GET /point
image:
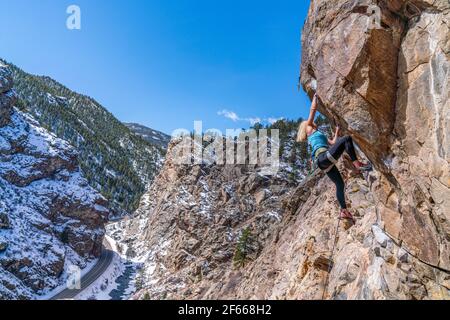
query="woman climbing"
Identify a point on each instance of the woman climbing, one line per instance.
(326, 153)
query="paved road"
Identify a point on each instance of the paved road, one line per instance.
(89, 278)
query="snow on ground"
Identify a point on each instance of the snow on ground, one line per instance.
(112, 280)
(63, 286)
(139, 256)
(33, 237)
(275, 215)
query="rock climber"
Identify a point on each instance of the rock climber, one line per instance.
(326, 153)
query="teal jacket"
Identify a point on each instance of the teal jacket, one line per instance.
(317, 140)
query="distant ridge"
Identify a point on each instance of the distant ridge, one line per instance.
(150, 135)
(115, 161)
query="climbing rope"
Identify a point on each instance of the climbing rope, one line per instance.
(327, 279)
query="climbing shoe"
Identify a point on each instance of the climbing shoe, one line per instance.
(346, 215)
(363, 167)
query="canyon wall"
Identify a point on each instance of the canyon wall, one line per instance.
(50, 219)
(209, 231)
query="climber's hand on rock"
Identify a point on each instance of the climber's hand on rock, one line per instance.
(338, 131)
(314, 103)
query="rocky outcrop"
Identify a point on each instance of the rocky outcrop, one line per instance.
(194, 221)
(50, 219)
(207, 232)
(187, 229)
(387, 84)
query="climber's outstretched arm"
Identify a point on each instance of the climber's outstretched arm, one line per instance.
(336, 136)
(312, 114)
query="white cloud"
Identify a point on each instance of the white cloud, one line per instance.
(273, 120)
(229, 114)
(252, 120)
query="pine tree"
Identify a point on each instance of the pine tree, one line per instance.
(243, 249)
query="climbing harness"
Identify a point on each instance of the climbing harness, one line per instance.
(327, 279)
(329, 157)
(315, 163)
(332, 160)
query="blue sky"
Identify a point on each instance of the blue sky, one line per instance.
(166, 63)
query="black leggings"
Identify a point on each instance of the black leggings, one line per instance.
(343, 144)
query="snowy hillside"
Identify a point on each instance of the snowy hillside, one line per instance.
(153, 136)
(115, 161)
(50, 218)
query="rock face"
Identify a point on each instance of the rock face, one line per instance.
(387, 84)
(50, 218)
(194, 222)
(209, 231)
(193, 219)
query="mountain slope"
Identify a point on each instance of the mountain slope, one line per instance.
(115, 161)
(152, 136)
(50, 219)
